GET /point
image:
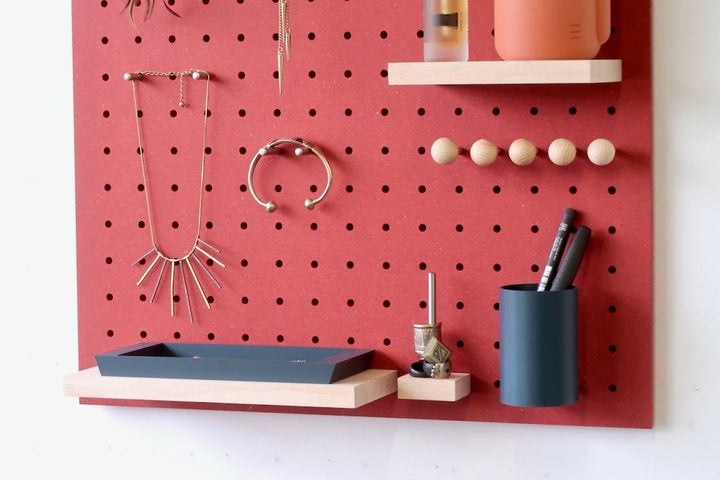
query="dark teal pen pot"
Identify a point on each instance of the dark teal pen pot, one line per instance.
(538, 346)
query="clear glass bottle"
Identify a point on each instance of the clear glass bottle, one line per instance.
(446, 30)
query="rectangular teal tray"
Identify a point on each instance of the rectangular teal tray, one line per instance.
(235, 362)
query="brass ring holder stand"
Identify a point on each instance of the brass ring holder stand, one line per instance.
(302, 148)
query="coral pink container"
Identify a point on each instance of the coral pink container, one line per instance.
(551, 29)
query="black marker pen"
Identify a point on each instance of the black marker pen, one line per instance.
(556, 252)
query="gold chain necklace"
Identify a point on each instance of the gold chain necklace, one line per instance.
(200, 246)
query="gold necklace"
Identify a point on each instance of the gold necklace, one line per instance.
(200, 246)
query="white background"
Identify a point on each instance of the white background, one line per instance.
(46, 435)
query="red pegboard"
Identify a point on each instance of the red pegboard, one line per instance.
(353, 271)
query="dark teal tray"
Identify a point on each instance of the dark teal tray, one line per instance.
(235, 362)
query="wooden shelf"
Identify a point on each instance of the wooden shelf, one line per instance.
(505, 72)
(449, 389)
(352, 392)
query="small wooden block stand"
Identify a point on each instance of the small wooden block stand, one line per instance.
(449, 389)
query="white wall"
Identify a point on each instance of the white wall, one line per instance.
(45, 433)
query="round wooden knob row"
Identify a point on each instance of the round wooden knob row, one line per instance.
(522, 152)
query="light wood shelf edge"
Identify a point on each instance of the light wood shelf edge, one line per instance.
(352, 392)
(505, 72)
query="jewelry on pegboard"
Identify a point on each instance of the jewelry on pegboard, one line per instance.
(199, 246)
(302, 148)
(283, 52)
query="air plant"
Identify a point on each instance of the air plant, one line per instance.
(132, 5)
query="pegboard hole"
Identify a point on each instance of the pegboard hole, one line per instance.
(241, 37)
(110, 333)
(422, 265)
(350, 302)
(496, 111)
(314, 302)
(347, 35)
(496, 306)
(313, 226)
(348, 112)
(612, 269)
(314, 264)
(315, 339)
(459, 267)
(312, 112)
(347, 73)
(109, 297)
(611, 110)
(280, 338)
(612, 230)
(279, 301)
(422, 227)
(572, 110)
(386, 303)
(460, 343)
(143, 334)
(534, 229)
(245, 300)
(245, 337)
(459, 189)
(612, 190)
(496, 189)
(171, 38)
(612, 349)
(612, 387)
(573, 190)
(422, 304)
(421, 111)
(312, 74)
(383, 34)
(534, 111)
(350, 264)
(612, 309)
(348, 150)
(244, 262)
(496, 383)
(459, 228)
(383, 73)
(211, 336)
(351, 341)
(279, 263)
(534, 189)
(349, 227)
(387, 342)
(420, 34)
(108, 260)
(278, 226)
(142, 297)
(422, 189)
(497, 267)
(386, 265)
(176, 298)
(108, 224)
(385, 150)
(385, 189)
(386, 227)
(311, 36)
(460, 305)
(458, 111)
(176, 335)
(534, 268)
(496, 345)
(138, 39)
(497, 228)
(141, 224)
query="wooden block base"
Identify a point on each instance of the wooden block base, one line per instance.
(450, 389)
(351, 392)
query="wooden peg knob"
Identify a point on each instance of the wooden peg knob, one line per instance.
(522, 152)
(483, 152)
(601, 151)
(444, 151)
(562, 152)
